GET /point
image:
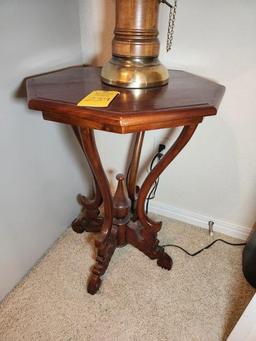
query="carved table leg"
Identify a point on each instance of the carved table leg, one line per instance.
(89, 219)
(143, 233)
(118, 227)
(106, 243)
(117, 236)
(175, 149)
(146, 241)
(102, 261)
(132, 188)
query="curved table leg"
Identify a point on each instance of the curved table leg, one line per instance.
(133, 171)
(175, 149)
(121, 212)
(102, 261)
(102, 185)
(143, 233)
(107, 242)
(117, 228)
(146, 241)
(88, 220)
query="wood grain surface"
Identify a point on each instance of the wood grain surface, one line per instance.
(185, 100)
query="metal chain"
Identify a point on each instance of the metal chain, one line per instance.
(170, 34)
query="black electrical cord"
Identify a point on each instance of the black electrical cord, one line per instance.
(151, 196)
(152, 193)
(206, 247)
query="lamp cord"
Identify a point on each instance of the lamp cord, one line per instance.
(152, 195)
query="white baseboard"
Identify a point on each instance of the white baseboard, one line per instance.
(237, 231)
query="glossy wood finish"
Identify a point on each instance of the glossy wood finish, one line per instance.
(136, 28)
(89, 219)
(90, 148)
(132, 187)
(176, 148)
(185, 102)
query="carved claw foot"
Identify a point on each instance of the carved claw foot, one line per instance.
(87, 221)
(102, 261)
(93, 284)
(146, 241)
(79, 224)
(164, 260)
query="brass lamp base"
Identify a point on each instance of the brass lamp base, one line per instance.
(134, 72)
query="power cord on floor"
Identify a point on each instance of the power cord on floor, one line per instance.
(151, 196)
(157, 157)
(206, 247)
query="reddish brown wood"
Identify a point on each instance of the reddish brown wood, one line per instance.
(133, 189)
(146, 241)
(180, 143)
(89, 219)
(90, 148)
(184, 102)
(104, 255)
(122, 207)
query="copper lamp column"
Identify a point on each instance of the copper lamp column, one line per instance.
(135, 47)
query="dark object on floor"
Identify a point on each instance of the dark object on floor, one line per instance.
(249, 260)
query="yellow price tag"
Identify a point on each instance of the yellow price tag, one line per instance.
(98, 98)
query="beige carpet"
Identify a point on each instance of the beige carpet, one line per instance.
(200, 299)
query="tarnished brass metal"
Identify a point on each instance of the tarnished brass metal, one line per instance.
(135, 47)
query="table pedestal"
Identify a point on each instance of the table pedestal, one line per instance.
(124, 219)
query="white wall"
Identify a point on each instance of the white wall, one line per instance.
(41, 165)
(215, 175)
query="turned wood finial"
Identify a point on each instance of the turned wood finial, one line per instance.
(120, 200)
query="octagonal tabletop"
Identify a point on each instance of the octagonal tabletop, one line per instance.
(185, 100)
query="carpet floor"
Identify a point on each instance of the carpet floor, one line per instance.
(200, 299)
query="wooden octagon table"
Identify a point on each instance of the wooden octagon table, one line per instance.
(185, 101)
